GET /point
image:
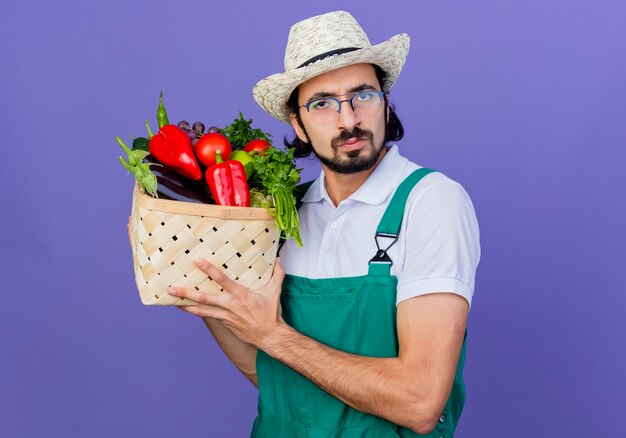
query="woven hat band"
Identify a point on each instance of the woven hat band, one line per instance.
(327, 55)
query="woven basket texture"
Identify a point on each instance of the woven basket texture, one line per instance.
(166, 236)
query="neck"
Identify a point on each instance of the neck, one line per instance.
(341, 185)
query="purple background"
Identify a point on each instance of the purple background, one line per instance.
(523, 103)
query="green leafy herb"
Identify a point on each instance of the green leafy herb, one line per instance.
(275, 174)
(240, 132)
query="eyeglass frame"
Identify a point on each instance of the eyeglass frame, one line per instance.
(380, 94)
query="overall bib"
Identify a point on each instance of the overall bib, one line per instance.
(353, 314)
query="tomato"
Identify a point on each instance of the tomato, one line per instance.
(257, 145)
(208, 144)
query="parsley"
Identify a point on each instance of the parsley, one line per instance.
(275, 174)
(240, 132)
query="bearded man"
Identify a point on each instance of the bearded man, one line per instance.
(361, 331)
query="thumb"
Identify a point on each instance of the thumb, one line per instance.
(279, 273)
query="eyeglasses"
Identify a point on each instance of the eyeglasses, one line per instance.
(326, 110)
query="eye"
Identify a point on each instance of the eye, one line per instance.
(364, 96)
(320, 104)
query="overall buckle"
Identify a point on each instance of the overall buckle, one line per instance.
(381, 254)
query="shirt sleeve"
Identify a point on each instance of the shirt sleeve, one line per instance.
(442, 242)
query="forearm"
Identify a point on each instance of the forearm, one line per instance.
(241, 354)
(385, 387)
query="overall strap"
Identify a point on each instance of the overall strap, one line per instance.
(389, 226)
(298, 193)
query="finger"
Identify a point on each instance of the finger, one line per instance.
(130, 237)
(278, 274)
(204, 311)
(219, 277)
(197, 296)
(274, 285)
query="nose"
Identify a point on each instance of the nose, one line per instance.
(347, 117)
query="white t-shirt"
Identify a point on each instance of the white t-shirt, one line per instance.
(438, 248)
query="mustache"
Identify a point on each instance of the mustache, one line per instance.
(356, 132)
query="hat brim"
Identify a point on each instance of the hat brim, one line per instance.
(272, 93)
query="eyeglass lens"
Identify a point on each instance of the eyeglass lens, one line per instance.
(365, 104)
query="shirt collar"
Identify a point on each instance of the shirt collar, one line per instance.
(376, 188)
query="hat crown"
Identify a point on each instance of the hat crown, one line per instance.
(321, 34)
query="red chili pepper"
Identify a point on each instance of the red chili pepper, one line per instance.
(228, 183)
(172, 147)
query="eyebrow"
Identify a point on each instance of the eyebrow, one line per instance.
(322, 94)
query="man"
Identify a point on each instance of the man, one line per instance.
(361, 332)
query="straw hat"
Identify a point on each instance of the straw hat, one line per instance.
(323, 43)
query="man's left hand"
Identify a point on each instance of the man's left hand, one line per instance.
(250, 314)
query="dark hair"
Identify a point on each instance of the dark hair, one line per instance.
(394, 131)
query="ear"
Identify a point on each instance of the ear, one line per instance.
(298, 129)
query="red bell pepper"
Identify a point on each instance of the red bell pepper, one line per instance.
(228, 183)
(172, 147)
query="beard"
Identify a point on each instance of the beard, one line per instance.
(356, 160)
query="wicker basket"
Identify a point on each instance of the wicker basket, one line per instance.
(166, 236)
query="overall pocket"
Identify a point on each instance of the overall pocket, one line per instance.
(329, 318)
